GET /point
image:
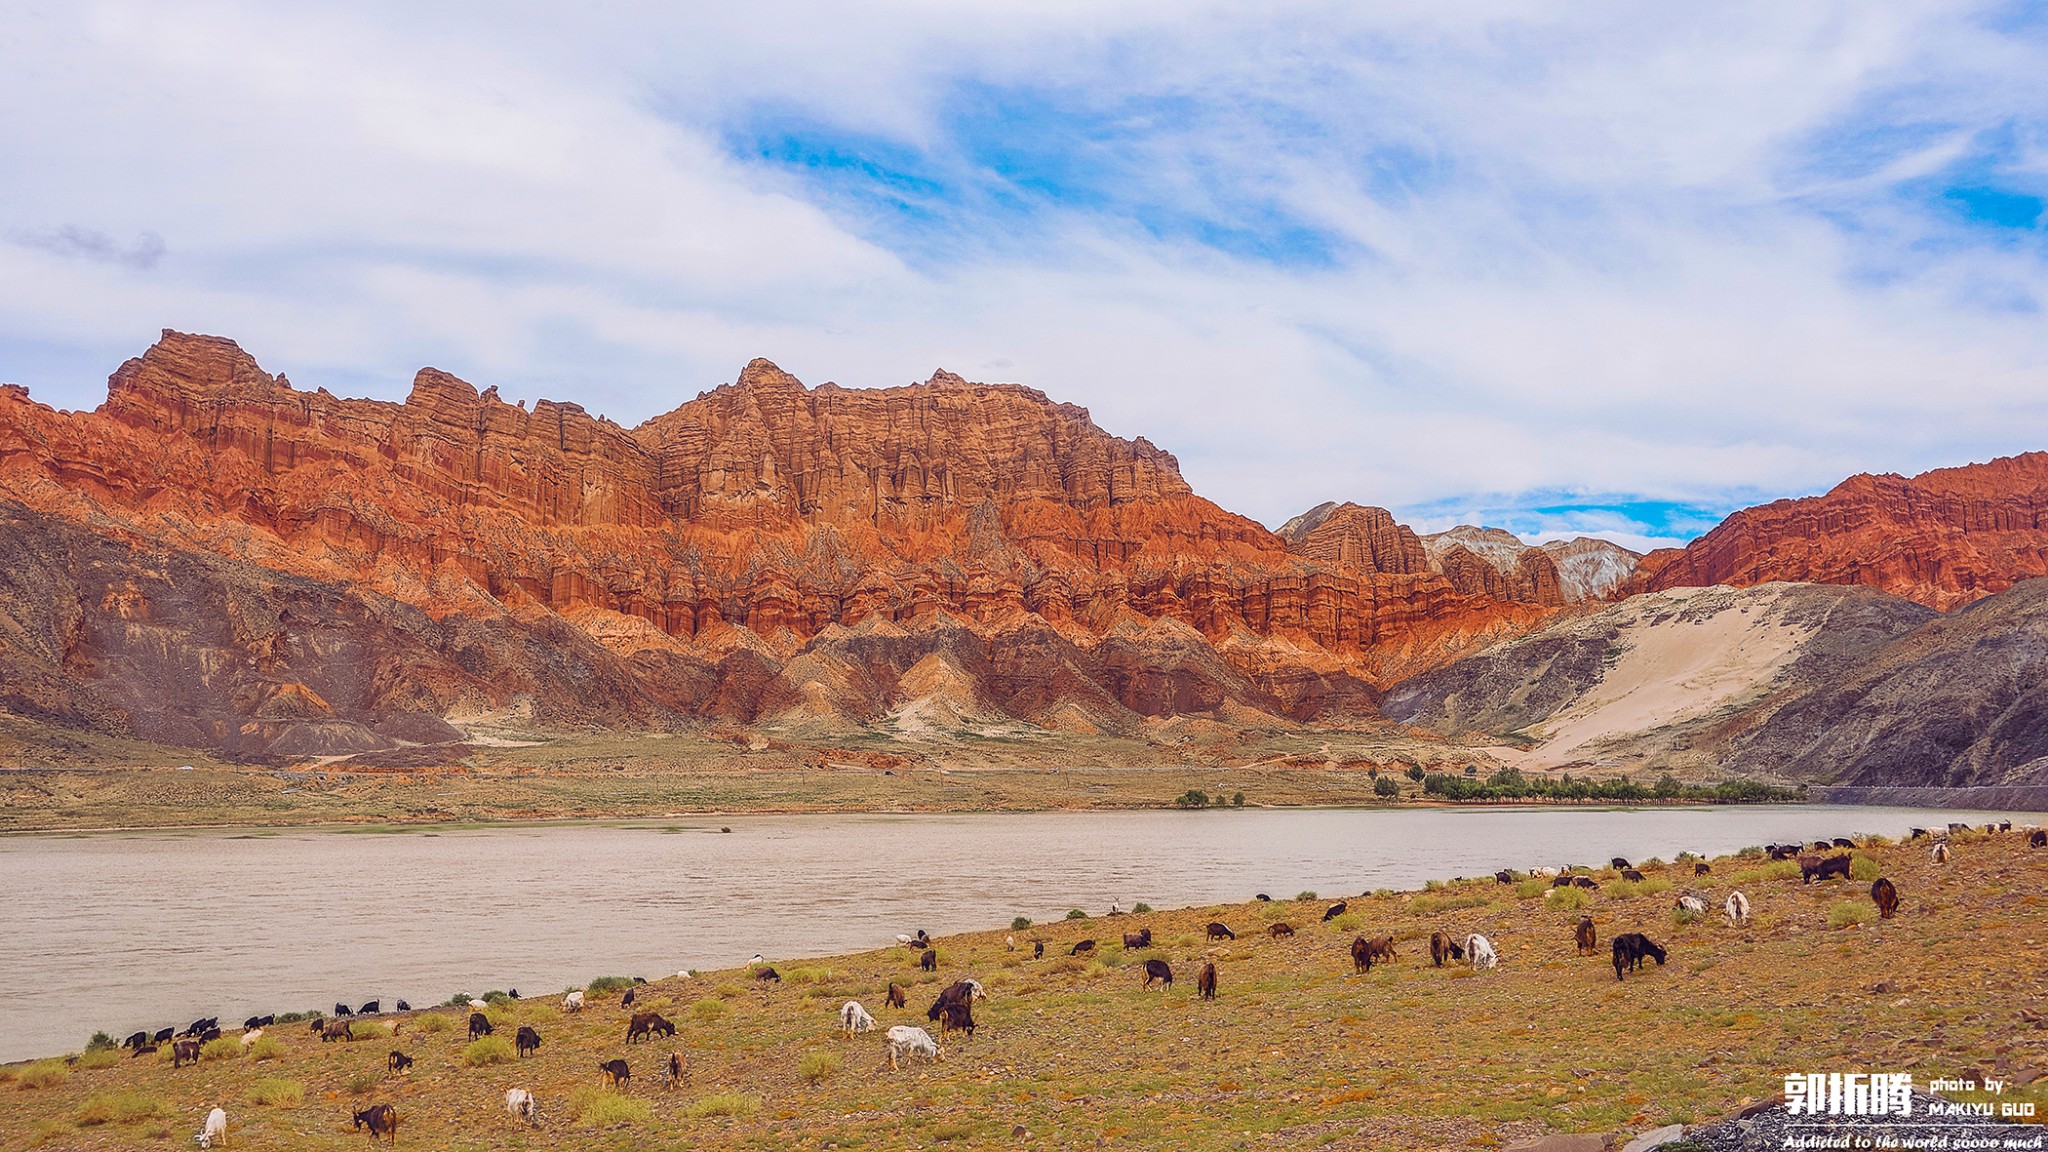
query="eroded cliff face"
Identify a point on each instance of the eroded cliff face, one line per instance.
(764, 552)
(1942, 538)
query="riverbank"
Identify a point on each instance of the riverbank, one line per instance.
(1296, 1051)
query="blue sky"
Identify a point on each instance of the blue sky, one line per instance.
(1599, 267)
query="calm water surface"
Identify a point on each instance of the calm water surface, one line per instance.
(120, 931)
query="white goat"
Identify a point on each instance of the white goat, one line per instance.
(251, 1036)
(573, 1002)
(520, 1103)
(1692, 904)
(1479, 950)
(1738, 909)
(216, 1129)
(477, 1005)
(906, 1042)
(1941, 853)
(853, 1018)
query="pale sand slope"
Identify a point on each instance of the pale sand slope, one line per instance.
(1685, 654)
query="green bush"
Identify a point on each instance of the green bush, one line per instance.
(608, 984)
(1568, 899)
(100, 1058)
(99, 1041)
(707, 1011)
(606, 1108)
(1193, 798)
(1532, 887)
(1304, 897)
(1864, 868)
(363, 1082)
(1850, 912)
(487, 1050)
(277, 1093)
(221, 1048)
(723, 1104)
(428, 1022)
(42, 1074)
(120, 1108)
(1237, 800)
(817, 1067)
(1076, 914)
(1386, 789)
(1140, 908)
(266, 1048)
(1020, 923)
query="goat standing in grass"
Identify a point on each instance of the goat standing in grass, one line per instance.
(853, 1018)
(906, 1042)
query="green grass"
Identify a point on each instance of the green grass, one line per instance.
(120, 1108)
(222, 1048)
(1775, 870)
(366, 1082)
(488, 1050)
(708, 1011)
(817, 1067)
(723, 1104)
(1864, 868)
(432, 1022)
(1849, 912)
(605, 1108)
(42, 1074)
(1567, 899)
(276, 1092)
(266, 1048)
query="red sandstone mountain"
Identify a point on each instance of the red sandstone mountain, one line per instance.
(1942, 538)
(214, 557)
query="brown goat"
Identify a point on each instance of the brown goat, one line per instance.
(1885, 895)
(1588, 940)
(1206, 982)
(381, 1120)
(1281, 931)
(896, 998)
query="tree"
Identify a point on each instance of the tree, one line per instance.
(1237, 801)
(1415, 773)
(1386, 788)
(1668, 786)
(1193, 798)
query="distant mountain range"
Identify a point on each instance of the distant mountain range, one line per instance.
(214, 558)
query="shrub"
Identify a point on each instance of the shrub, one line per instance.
(1850, 912)
(723, 1104)
(1193, 798)
(809, 974)
(495, 996)
(1654, 886)
(277, 1093)
(1140, 908)
(42, 1074)
(266, 1048)
(100, 1041)
(1348, 922)
(366, 1082)
(606, 1108)
(1305, 896)
(487, 1050)
(1020, 923)
(1864, 868)
(1433, 885)
(1386, 789)
(1237, 800)
(426, 1022)
(817, 1067)
(1775, 870)
(1532, 887)
(121, 1108)
(100, 1058)
(1683, 916)
(609, 984)
(707, 1011)
(221, 1048)
(1415, 773)
(1076, 914)
(1753, 852)
(1567, 899)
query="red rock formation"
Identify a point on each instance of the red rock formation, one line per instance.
(1942, 538)
(749, 521)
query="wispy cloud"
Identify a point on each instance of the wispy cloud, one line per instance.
(93, 244)
(1552, 267)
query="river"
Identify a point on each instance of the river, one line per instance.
(120, 931)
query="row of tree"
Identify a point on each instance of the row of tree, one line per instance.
(1511, 784)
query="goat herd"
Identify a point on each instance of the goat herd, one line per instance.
(953, 1010)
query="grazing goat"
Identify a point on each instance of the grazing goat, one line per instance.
(1009, 943)
(397, 1061)
(476, 1005)
(1083, 946)
(1918, 834)
(2038, 838)
(964, 992)
(1701, 869)
(404, 1007)
(135, 1041)
(573, 1002)
(895, 998)
(1205, 984)
(252, 1022)
(1584, 882)
(251, 1036)
(1587, 939)
(1335, 910)
(1691, 904)
(1564, 881)
(342, 1010)
(479, 1025)
(1821, 845)
(1361, 955)
(648, 1024)
(927, 960)
(1479, 950)
(521, 1104)
(1262, 897)
(771, 976)
(216, 1129)
(1955, 827)
(905, 1042)
(1844, 842)
(1503, 877)
(1442, 948)
(626, 1001)
(615, 1072)
(1543, 871)
(1885, 895)
(337, 1030)
(373, 1008)
(1629, 950)
(1218, 930)
(381, 1120)
(1631, 875)
(1038, 949)
(1941, 853)
(527, 1041)
(198, 1026)
(1281, 931)
(1619, 864)
(162, 1035)
(1139, 939)
(672, 1076)
(1812, 868)
(1737, 908)
(1158, 970)
(957, 1016)
(853, 1018)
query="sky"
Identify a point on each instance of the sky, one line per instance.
(1603, 268)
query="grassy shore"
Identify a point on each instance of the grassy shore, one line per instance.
(1297, 1052)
